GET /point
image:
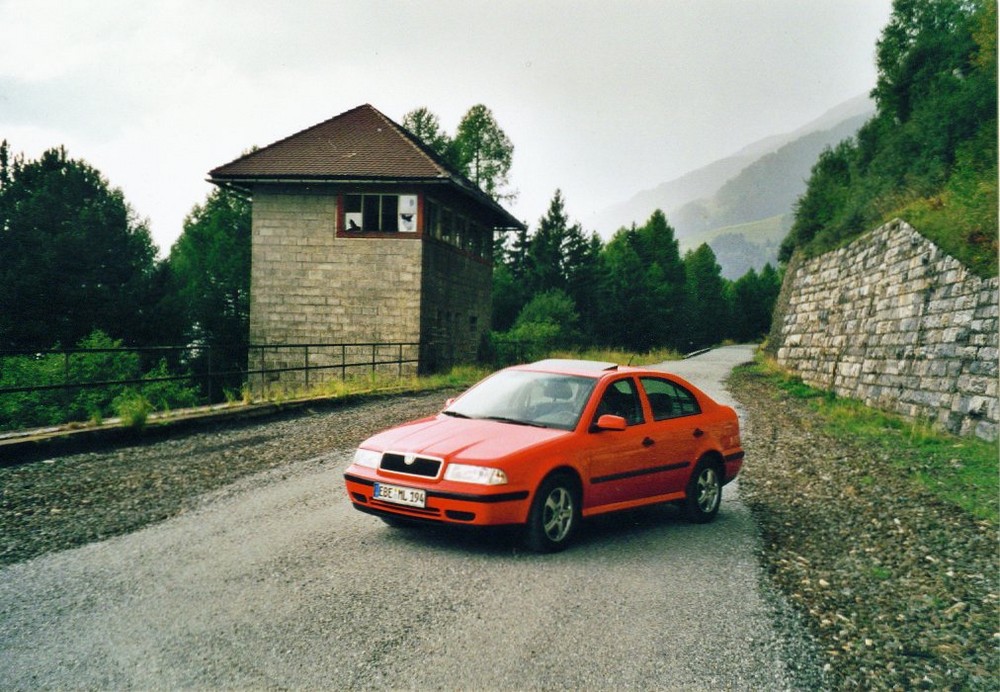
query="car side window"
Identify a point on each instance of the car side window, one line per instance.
(669, 400)
(621, 399)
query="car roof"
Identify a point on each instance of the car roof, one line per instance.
(590, 368)
(598, 369)
(568, 366)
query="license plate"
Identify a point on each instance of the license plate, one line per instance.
(411, 497)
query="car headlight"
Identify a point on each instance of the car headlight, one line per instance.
(467, 473)
(367, 458)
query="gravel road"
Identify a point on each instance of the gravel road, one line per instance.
(276, 582)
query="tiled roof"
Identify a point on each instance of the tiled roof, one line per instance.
(362, 144)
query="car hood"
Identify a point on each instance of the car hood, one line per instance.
(462, 439)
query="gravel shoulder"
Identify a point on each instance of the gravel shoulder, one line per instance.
(899, 589)
(71, 500)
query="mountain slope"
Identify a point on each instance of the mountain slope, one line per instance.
(705, 182)
(767, 187)
(742, 205)
(743, 247)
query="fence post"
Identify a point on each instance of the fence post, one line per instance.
(307, 367)
(400, 364)
(343, 362)
(209, 375)
(263, 382)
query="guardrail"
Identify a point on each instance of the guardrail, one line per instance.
(42, 387)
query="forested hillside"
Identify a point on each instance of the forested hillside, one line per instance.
(742, 205)
(765, 188)
(560, 287)
(929, 155)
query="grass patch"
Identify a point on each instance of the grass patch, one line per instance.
(962, 471)
(459, 377)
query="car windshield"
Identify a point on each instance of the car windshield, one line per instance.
(526, 398)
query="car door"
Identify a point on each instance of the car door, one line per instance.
(673, 430)
(619, 460)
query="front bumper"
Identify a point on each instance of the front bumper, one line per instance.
(444, 504)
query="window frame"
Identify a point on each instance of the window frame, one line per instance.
(639, 411)
(387, 212)
(683, 402)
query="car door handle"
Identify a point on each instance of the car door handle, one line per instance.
(698, 432)
(648, 442)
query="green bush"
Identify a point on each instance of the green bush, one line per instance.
(164, 396)
(104, 361)
(133, 409)
(89, 403)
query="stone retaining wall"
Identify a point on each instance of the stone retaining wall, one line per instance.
(895, 322)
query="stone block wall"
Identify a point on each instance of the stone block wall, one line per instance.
(457, 304)
(308, 286)
(895, 322)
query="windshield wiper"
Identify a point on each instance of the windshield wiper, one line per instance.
(455, 414)
(515, 421)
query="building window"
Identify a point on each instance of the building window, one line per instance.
(456, 229)
(432, 216)
(447, 226)
(372, 213)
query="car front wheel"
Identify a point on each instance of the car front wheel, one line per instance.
(704, 493)
(554, 514)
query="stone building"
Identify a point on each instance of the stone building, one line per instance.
(362, 235)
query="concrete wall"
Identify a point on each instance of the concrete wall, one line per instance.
(895, 322)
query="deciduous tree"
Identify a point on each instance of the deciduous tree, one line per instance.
(485, 153)
(427, 127)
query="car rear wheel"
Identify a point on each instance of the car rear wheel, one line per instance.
(554, 514)
(704, 493)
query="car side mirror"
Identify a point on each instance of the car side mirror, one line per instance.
(610, 422)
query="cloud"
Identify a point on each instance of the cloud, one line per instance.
(601, 99)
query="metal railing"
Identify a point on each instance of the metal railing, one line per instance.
(321, 357)
(195, 363)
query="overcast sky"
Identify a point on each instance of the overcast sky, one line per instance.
(601, 99)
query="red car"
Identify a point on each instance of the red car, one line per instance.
(545, 444)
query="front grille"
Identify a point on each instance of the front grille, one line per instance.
(459, 516)
(424, 467)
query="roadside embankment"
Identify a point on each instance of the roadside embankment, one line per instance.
(898, 587)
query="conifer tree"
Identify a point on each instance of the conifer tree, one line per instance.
(74, 256)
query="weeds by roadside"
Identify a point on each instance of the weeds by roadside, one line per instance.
(959, 470)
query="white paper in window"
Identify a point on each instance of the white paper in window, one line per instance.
(353, 221)
(407, 213)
